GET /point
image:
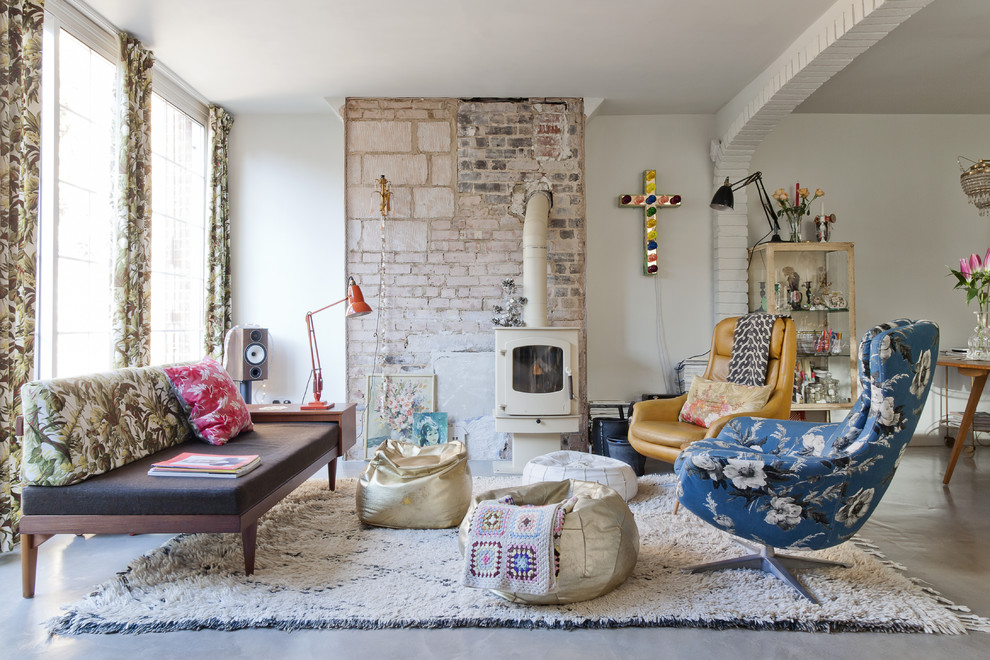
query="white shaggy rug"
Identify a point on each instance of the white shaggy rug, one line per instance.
(318, 567)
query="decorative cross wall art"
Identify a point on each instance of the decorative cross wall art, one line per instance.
(651, 203)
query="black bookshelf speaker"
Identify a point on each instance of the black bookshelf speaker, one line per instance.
(246, 353)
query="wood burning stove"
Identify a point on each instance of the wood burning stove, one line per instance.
(536, 372)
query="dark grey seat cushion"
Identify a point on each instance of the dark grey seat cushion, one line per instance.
(285, 450)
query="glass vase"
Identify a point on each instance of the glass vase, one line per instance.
(795, 224)
(978, 347)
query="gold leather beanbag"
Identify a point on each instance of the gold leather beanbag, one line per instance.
(407, 486)
(598, 547)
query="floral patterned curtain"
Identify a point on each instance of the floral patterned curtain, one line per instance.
(20, 141)
(218, 240)
(132, 267)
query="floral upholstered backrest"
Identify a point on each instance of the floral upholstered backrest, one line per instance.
(902, 361)
(76, 428)
(852, 427)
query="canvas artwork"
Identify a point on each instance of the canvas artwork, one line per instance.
(430, 428)
(392, 402)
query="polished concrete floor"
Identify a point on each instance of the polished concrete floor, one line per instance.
(941, 534)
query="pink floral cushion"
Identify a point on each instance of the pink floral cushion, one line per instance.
(215, 407)
(710, 400)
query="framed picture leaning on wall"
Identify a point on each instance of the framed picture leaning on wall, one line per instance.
(392, 401)
(430, 428)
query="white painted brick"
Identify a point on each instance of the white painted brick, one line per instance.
(433, 136)
(732, 286)
(433, 202)
(353, 165)
(392, 136)
(358, 202)
(399, 169)
(731, 242)
(730, 275)
(729, 263)
(724, 231)
(406, 235)
(441, 171)
(353, 234)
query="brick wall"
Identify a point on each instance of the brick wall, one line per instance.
(460, 171)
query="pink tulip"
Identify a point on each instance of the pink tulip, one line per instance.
(974, 263)
(964, 269)
(986, 260)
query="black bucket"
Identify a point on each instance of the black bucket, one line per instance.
(619, 448)
(606, 427)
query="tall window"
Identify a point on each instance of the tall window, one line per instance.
(178, 233)
(77, 222)
(76, 240)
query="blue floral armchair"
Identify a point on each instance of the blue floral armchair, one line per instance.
(801, 485)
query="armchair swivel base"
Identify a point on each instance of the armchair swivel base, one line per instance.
(765, 558)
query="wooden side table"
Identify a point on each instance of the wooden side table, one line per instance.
(341, 413)
(977, 370)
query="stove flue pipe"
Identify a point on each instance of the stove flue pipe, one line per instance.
(535, 258)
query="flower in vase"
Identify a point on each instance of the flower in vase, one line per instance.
(973, 277)
(801, 204)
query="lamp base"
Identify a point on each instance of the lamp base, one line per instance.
(316, 405)
(776, 238)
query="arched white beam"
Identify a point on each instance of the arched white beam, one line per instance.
(842, 33)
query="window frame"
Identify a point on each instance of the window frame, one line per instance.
(58, 16)
(83, 23)
(168, 83)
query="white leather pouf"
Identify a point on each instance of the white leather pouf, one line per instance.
(561, 465)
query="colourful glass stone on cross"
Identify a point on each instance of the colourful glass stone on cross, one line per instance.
(651, 203)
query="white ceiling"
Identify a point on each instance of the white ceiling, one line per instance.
(937, 62)
(642, 56)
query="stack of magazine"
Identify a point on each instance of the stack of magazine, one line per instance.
(205, 465)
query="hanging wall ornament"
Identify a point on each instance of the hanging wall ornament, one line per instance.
(651, 203)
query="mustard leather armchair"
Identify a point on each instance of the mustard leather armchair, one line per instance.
(653, 428)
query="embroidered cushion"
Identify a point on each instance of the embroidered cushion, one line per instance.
(215, 407)
(709, 400)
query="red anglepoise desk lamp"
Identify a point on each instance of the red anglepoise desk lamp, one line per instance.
(355, 307)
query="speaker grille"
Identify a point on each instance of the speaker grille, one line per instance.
(247, 354)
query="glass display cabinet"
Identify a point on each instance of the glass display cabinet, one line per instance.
(814, 284)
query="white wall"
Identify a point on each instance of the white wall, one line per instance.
(893, 183)
(623, 358)
(287, 244)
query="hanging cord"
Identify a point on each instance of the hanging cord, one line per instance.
(662, 338)
(302, 399)
(380, 346)
(762, 240)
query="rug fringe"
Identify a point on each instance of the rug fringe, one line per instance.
(72, 624)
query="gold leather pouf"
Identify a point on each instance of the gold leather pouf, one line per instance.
(598, 547)
(406, 486)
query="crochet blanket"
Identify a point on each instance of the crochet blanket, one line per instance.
(514, 548)
(751, 349)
